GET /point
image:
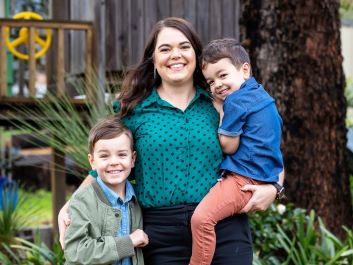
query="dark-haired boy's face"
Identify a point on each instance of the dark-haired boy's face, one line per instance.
(113, 160)
(224, 78)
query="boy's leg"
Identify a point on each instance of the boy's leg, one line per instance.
(223, 200)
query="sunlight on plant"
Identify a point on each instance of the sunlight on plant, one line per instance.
(28, 253)
(43, 200)
(346, 9)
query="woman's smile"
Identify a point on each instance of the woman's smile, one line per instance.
(174, 57)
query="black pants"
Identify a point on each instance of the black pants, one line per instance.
(169, 233)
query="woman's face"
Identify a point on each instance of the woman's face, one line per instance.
(174, 57)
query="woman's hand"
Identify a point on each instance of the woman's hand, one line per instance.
(64, 218)
(262, 197)
(63, 222)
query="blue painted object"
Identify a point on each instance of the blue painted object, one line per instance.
(8, 193)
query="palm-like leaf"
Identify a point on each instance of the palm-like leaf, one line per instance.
(64, 127)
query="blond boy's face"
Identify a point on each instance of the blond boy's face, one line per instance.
(113, 160)
(224, 78)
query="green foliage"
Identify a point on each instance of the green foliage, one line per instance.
(264, 230)
(349, 97)
(62, 126)
(293, 237)
(351, 186)
(306, 245)
(43, 200)
(27, 253)
(346, 9)
(15, 250)
(10, 218)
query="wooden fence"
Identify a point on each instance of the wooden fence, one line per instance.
(123, 25)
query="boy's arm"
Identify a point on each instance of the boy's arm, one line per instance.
(82, 248)
(229, 144)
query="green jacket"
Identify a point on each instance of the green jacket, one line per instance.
(91, 236)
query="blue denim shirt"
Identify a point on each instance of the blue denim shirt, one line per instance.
(117, 202)
(251, 113)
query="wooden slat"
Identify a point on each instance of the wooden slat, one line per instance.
(163, 9)
(202, 20)
(79, 10)
(88, 57)
(56, 24)
(60, 72)
(126, 31)
(3, 73)
(58, 185)
(99, 50)
(137, 30)
(32, 63)
(228, 13)
(177, 8)
(150, 14)
(215, 20)
(190, 11)
(236, 19)
(35, 151)
(113, 33)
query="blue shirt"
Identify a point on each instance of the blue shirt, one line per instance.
(118, 203)
(178, 153)
(251, 113)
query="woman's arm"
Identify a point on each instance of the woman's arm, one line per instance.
(64, 218)
(263, 196)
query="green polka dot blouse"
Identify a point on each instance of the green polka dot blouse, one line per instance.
(178, 153)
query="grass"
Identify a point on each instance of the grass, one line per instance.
(42, 199)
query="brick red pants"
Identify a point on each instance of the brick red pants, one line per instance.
(224, 199)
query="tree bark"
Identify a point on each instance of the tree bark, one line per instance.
(295, 51)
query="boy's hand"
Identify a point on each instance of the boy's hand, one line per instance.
(139, 238)
(218, 105)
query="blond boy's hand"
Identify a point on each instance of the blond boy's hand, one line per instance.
(139, 238)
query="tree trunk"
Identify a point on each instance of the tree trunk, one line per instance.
(295, 50)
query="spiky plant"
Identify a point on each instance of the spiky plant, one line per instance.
(60, 123)
(11, 221)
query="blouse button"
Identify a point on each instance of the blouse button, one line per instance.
(116, 215)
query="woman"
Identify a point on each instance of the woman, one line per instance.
(165, 102)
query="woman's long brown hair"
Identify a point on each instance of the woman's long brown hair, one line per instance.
(139, 81)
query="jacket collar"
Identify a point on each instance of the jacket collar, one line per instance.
(101, 195)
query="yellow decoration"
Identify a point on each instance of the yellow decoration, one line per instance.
(24, 37)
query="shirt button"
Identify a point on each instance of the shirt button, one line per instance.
(116, 215)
